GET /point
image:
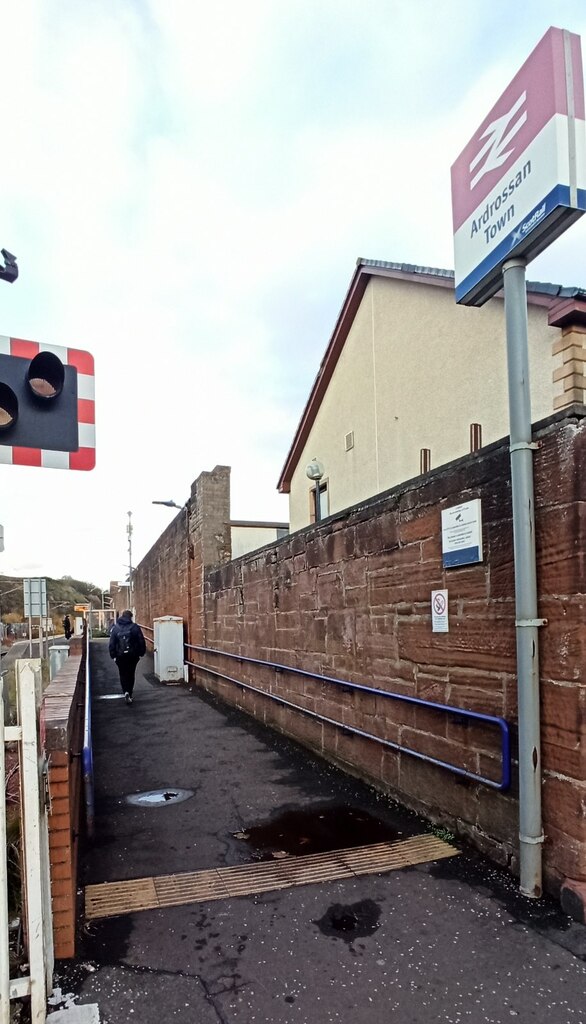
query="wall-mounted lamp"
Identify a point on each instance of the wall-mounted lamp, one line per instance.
(315, 471)
(185, 507)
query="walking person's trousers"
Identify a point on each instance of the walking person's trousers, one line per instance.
(127, 668)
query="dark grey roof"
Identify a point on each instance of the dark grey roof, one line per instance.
(533, 286)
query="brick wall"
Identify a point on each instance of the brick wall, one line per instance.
(62, 715)
(350, 598)
(569, 351)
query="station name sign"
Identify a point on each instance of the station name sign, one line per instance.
(521, 179)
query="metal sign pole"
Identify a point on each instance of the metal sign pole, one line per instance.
(527, 623)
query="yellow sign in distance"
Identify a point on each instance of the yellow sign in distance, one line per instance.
(81, 607)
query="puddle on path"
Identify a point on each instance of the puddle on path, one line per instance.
(355, 921)
(159, 797)
(317, 830)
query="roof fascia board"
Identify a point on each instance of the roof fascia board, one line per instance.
(344, 322)
(568, 312)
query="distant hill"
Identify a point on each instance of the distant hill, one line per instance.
(62, 594)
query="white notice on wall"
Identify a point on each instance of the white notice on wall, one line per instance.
(462, 534)
(439, 611)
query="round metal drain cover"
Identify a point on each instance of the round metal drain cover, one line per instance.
(111, 696)
(157, 797)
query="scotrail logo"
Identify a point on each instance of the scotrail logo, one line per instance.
(528, 225)
(498, 136)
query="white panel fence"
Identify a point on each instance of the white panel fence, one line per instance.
(36, 883)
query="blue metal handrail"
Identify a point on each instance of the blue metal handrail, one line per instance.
(87, 751)
(477, 716)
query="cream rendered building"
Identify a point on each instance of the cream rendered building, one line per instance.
(410, 381)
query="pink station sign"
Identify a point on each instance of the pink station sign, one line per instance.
(521, 180)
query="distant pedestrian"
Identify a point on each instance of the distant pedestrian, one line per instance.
(67, 627)
(127, 646)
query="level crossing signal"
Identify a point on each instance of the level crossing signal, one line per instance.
(47, 406)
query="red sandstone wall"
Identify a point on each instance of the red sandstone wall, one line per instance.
(351, 598)
(170, 578)
(161, 580)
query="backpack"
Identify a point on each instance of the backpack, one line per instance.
(124, 644)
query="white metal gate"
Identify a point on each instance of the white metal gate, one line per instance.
(35, 846)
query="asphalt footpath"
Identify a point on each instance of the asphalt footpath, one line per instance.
(450, 940)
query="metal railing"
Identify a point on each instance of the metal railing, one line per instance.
(461, 713)
(87, 754)
(149, 639)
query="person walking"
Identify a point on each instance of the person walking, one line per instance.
(127, 645)
(67, 627)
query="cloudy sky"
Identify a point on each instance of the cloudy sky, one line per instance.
(187, 187)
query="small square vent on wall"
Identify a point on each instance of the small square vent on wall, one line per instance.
(349, 440)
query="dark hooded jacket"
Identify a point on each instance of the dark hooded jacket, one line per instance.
(137, 641)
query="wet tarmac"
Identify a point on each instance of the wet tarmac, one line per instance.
(447, 942)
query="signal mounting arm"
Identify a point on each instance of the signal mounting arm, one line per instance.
(9, 272)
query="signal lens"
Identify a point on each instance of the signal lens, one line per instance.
(46, 375)
(8, 407)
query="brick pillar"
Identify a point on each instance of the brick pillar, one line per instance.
(210, 541)
(569, 352)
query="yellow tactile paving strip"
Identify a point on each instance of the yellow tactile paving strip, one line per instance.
(113, 898)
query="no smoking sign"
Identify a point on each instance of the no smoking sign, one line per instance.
(439, 611)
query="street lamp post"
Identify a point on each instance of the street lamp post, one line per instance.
(130, 580)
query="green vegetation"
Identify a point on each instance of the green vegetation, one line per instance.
(442, 833)
(62, 595)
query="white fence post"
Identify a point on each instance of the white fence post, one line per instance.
(4, 953)
(35, 853)
(32, 822)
